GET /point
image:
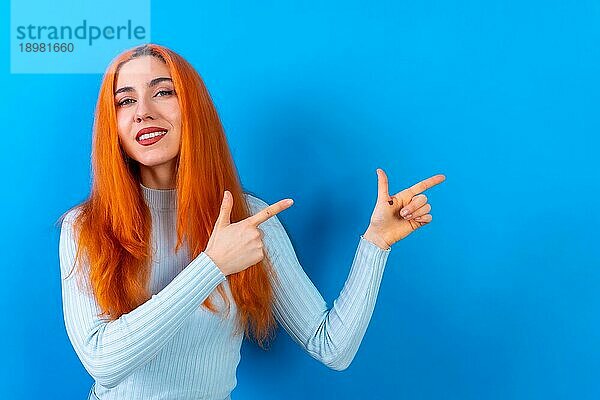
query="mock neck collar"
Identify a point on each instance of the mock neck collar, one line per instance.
(160, 199)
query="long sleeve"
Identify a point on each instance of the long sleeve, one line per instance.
(111, 350)
(331, 336)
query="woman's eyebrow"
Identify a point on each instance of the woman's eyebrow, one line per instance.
(153, 82)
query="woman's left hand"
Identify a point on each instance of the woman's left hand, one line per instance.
(397, 216)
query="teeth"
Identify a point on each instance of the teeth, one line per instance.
(151, 135)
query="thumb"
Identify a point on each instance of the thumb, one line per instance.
(225, 212)
(382, 186)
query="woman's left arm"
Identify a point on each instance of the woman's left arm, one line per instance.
(333, 335)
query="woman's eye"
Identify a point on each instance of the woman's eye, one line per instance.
(123, 102)
(168, 92)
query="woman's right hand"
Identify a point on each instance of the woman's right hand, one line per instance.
(235, 247)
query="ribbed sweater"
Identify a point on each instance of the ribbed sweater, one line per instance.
(171, 347)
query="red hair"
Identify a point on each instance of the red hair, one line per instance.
(114, 225)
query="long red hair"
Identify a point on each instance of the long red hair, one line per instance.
(114, 225)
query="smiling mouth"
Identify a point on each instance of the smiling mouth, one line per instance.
(150, 138)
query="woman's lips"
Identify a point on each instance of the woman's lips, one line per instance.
(148, 142)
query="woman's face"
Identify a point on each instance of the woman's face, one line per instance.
(146, 101)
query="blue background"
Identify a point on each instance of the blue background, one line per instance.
(497, 298)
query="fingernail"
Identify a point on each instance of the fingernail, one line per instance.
(409, 216)
(404, 212)
(289, 201)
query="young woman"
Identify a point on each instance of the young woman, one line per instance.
(167, 222)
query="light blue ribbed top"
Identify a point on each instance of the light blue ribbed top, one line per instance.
(171, 347)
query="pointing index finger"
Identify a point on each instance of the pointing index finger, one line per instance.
(426, 184)
(269, 211)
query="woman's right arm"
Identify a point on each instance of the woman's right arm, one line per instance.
(111, 350)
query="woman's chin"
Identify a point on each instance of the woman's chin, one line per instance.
(155, 162)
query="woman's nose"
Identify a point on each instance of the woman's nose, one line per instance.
(143, 112)
(141, 117)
